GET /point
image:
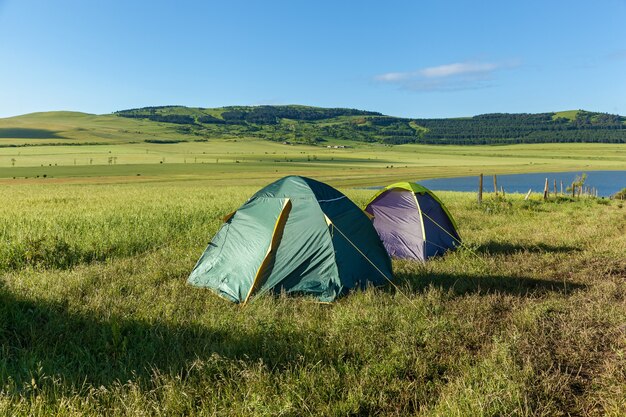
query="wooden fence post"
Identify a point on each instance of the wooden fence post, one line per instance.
(480, 188)
(573, 190)
(546, 190)
(495, 185)
(528, 194)
(555, 187)
(561, 187)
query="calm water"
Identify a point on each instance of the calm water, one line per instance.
(607, 182)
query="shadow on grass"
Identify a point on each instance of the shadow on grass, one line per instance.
(24, 133)
(505, 248)
(460, 284)
(50, 348)
(46, 345)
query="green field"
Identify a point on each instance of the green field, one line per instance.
(260, 161)
(96, 317)
(79, 147)
(99, 230)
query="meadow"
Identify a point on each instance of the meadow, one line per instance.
(100, 227)
(86, 148)
(96, 316)
(259, 162)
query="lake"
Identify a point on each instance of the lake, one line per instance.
(607, 182)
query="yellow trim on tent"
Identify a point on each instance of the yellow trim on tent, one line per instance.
(409, 186)
(229, 216)
(421, 219)
(278, 228)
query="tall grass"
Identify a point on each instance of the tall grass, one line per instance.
(78, 224)
(96, 317)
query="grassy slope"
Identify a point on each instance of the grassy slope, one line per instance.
(568, 114)
(96, 318)
(63, 127)
(74, 127)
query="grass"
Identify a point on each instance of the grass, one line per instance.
(568, 114)
(96, 317)
(79, 147)
(98, 236)
(259, 161)
(65, 127)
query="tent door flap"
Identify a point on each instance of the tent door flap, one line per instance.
(265, 267)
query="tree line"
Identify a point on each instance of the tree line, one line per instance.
(301, 123)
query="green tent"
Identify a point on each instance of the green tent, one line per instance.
(297, 236)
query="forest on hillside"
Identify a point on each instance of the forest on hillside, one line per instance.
(303, 124)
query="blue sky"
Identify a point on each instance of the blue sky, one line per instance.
(403, 58)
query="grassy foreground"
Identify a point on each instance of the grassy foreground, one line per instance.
(96, 317)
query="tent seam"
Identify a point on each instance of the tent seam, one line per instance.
(419, 209)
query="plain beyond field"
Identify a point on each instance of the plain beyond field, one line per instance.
(258, 162)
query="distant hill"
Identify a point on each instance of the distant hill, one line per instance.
(314, 125)
(304, 124)
(301, 124)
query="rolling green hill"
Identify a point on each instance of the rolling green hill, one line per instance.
(305, 125)
(299, 124)
(315, 125)
(72, 128)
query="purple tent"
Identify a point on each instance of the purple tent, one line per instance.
(412, 222)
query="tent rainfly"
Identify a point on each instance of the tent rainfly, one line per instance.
(412, 222)
(297, 236)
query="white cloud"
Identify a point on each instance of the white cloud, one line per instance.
(449, 77)
(394, 76)
(458, 68)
